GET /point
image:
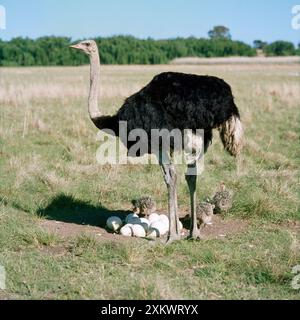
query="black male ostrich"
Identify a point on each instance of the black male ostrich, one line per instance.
(172, 100)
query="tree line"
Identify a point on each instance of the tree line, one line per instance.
(55, 51)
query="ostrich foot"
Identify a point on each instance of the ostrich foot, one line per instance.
(173, 238)
(195, 235)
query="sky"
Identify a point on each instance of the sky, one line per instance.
(267, 20)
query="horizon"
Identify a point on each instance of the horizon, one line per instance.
(136, 37)
(268, 21)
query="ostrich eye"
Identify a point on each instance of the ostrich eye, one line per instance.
(88, 44)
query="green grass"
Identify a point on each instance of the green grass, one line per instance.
(48, 170)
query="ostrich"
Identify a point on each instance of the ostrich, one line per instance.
(144, 206)
(172, 100)
(205, 212)
(222, 199)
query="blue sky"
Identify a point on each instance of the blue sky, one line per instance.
(267, 20)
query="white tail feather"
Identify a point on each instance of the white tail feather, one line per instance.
(232, 133)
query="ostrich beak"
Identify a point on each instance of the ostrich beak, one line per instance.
(75, 46)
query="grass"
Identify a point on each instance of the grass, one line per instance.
(48, 170)
(238, 60)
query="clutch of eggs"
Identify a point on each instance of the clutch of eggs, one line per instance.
(154, 227)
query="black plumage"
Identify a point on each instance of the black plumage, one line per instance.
(176, 100)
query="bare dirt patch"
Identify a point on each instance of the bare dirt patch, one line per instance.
(220, 229)
(70, 230)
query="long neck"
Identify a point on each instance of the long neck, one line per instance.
(101, 122)
(94, 87)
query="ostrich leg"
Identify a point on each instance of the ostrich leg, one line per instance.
(171, 179)
(191, 179)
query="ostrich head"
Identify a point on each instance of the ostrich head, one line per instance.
(88, 46)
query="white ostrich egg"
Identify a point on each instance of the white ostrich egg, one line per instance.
(160, 226)
(130, 217)
(154, 217)
(153, 233)
(138, 231)
(126, 231)
(114, 223)
(180, 226)
(164, 219)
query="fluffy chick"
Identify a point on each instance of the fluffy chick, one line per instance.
(144, 206)
(205, 212)
(222, 200)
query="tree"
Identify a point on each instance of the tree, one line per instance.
(280, 48)
(219, 32)
(259, 45)
(55, 51)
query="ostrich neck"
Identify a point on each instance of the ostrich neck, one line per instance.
(94, 86)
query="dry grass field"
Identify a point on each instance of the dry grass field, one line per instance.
(54, 196)
(238, 60)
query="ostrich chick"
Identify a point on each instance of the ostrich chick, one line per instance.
(222, 200)
(144, 206)
(205, 212)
